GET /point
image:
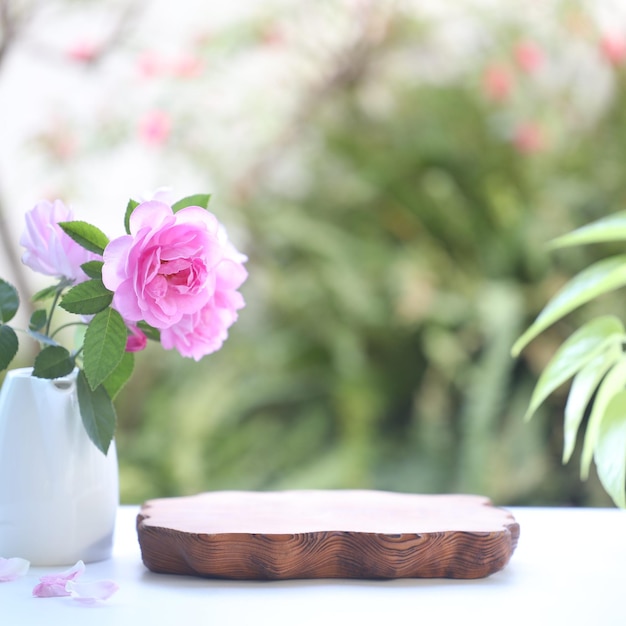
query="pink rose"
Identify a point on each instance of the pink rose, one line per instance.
(167, 268)
(204, 332)
(48, 249)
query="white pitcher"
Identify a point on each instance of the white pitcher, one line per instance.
(58, 493)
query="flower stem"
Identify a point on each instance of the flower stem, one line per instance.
(55, 301)
(60, 328)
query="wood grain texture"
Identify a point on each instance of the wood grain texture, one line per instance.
(326, 534)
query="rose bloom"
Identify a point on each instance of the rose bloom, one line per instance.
(205, 331)
(170, 268)
(48, 249)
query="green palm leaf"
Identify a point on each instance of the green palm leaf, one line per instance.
(611, 444)
(583, 387)
(597, 279)
(612, 384)
(612, 228)
(576, 352)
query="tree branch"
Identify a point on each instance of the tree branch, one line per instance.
(348, 65)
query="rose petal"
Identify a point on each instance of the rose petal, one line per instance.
(13, 568)
(92, 592)
(53, 585)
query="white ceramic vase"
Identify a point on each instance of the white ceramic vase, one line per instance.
(58, 493)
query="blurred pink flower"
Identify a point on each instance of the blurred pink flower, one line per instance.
(613, 47)
(150, 64)
(48, 249)
(529, 138)
(188, 66)
(83, 51)
(273, 35)
(529, 56)
(155, 127)
(497, 83)
(65, 146)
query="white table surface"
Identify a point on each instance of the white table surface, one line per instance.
(569, 568)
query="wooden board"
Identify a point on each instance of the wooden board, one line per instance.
(326, 534)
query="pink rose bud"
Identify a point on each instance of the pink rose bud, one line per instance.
(137, 340)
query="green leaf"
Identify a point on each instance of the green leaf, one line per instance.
(104, 347)
(38, 320)
(97, 412)
(87, 298)
(86, 235)
(583, 387)
(53, 362)
(610, 452)
(93, 269)
(610, 386)
(8, 346)
(46, 293)
(120, 375)
(130, 207)
(611, 228)
(199, 199)
(149, 331)
(594, 281)
(9, 301)
(583, 346)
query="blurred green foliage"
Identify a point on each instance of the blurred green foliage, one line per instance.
(395, 177)
(387, 287)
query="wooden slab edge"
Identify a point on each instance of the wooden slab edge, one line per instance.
(328, 553)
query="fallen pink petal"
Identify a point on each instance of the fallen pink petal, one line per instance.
(91, 592)
(13, 568)
(53, 585)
